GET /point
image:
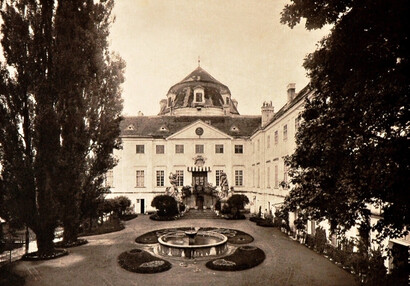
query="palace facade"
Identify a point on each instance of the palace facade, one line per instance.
(198, 135)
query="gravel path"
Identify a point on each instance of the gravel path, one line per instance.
(287, 262)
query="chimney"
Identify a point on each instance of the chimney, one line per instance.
(162, 104)
(291, 91)
(267, 113)
(235, 102)
(140, 113)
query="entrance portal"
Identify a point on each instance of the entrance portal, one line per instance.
(199, 179)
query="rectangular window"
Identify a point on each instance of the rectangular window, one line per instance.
(238, 178)
(140, 149)
(298, 121)
(276, 137)
(253, 177)
(160, 178)
(276, 177)
(259, 178)
(160, 149)
(219, 148)
(109, 179)
(199, 149)
(238, 149)
(285, 173)
(268, 177)
(179, 149)
(180, 177)
(268, 142)
(285, 132)
(218, 176)
(139, 178)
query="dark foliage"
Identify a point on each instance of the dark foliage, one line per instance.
(166, 206)
(236, 203)
(352, 148)
(60, 111)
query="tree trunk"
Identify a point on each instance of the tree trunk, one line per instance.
(70, 231)
(45, 244)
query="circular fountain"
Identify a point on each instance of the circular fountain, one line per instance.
(192, 244)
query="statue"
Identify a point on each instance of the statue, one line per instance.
(173, 190)
(223, 182)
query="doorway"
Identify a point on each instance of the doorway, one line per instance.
(140, 206)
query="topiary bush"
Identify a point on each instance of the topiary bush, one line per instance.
(166, 206)
(236, 203)
(320, 239)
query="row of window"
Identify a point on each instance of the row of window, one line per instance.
(298, 121)
(268, 178)
(179, 149)
(160, 178)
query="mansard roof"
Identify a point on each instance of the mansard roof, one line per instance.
(164, 126)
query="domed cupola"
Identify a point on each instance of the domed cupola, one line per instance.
(198, 94)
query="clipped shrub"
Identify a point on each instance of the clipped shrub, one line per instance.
(320, 239)
(236, 203)
(310, 241)
(166, 206)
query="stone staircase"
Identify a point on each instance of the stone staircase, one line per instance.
(200, 214)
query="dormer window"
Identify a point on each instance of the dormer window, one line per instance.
(198, 97)
(227, 100)
(199, 94)
(131, 127)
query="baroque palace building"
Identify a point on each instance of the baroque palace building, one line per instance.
(199, 134)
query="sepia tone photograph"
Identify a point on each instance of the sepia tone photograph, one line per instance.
(177, 142)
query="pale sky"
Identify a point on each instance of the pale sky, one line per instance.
(240, 43)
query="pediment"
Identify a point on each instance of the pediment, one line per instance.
(199, 129)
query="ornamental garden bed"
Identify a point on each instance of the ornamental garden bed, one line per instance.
(107, 227)
(234, 236)
(244, 257)
(141, 261)
(162, 218)
(34, 256)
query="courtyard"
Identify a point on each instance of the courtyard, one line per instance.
(287, 262)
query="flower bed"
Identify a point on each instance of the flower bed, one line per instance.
(234, 236)
(140, 261)
(106, 227)
(33, 256)
(162, 218)
(244, 257)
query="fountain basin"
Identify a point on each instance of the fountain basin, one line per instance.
(203, 244)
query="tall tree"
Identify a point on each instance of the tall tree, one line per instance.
(59, 112)
(352, 149)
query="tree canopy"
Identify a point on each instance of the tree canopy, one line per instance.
(60, 111)
(352, 149)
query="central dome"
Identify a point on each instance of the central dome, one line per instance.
(198, 93)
